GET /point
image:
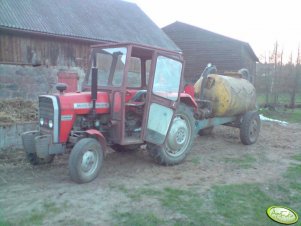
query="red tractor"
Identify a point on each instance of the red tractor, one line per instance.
(133, 95)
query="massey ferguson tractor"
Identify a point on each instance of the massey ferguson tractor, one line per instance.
(134, 95)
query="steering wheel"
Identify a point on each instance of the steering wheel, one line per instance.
(140, 96)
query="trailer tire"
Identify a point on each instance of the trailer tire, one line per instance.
(179, 142)
(35, 160)
(85, 160)
(206, 131)
(250, 127)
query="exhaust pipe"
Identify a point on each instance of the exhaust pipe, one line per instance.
(208, 70)
(94, 90)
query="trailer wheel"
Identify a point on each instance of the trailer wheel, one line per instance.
(125, 148)
(85, 160)
(206, 131)
(35, 160)
(250, 127)
(179, 140)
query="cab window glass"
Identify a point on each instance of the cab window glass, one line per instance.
(167, 78)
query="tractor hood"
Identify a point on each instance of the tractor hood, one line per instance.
(81, 103)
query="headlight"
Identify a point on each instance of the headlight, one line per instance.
(41, 121)
(97, 123)
(50, 124)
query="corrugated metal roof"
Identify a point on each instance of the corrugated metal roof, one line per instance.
(103, 20)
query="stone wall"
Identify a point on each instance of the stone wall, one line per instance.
(28, 82)
(10, 134)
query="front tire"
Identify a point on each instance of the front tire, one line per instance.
(85, 160)
(250, 127)
(179, 140)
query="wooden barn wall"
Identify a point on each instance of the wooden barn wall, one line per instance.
(248, 62)
(24, 49)
(19, 79)
(201, 48)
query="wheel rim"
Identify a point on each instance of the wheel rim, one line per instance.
(89, 162)
(178, 137)
(253, 130)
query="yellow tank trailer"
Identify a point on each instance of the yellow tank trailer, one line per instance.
(228, 100)
(229, 95)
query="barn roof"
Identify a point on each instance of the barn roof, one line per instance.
(95, 20)
(201, 31)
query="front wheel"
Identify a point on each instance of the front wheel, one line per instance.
(85, 160)
(250, 127)
(179, 140)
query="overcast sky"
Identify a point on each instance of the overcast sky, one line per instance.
(258, 22)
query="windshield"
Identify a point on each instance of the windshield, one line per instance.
(110, 63)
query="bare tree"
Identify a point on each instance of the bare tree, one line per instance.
(274, 59)
(296, 80)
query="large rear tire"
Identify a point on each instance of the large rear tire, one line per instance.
(179, 140)
(85, 160)
(250, 128)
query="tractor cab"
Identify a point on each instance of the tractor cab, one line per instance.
(143, 85)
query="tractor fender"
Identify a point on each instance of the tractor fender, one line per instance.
(99, 136)
(188, 100)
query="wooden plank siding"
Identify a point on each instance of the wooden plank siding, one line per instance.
(201, 47)
(20, 49)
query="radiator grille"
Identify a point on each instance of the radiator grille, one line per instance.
(46, 110)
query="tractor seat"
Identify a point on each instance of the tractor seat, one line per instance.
(137, 102)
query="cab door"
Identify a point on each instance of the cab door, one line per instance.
(163, 97)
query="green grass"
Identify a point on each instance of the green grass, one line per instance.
(35, 217)
(74, 222)
(297, 157)
(196, 160)
(188, 204)
(179, 206)
(244, 162)
(227, 204)
(283, 98)
(235, 204)
(293, 177)
(242, 204)
(138, 218)
(231, 204)
(289, 115)
(283, 114)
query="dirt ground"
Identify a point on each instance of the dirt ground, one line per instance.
(215, 159)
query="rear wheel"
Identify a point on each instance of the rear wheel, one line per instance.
(250, 127)
(85, 160)
(35, 160)
(178, 141)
